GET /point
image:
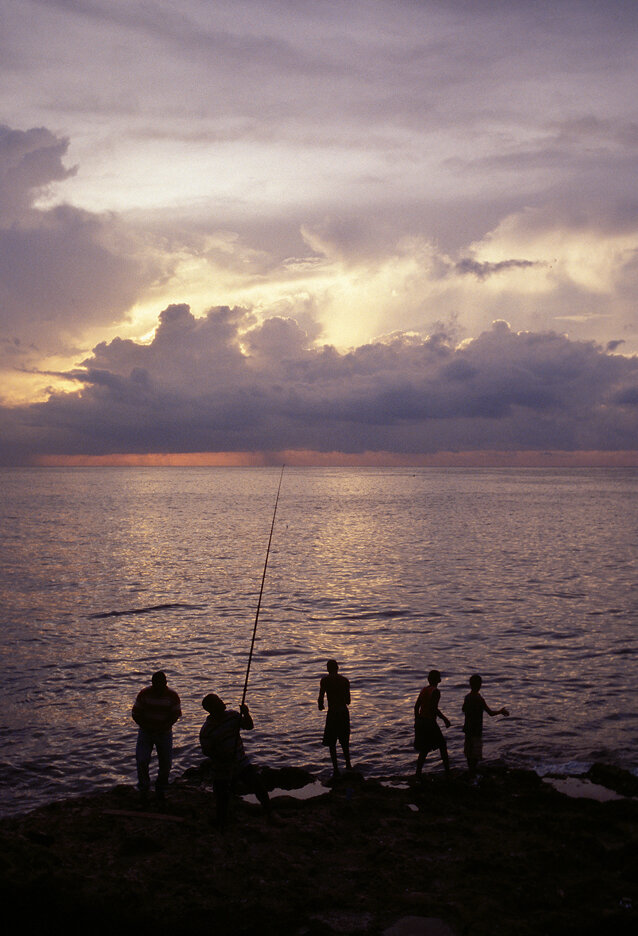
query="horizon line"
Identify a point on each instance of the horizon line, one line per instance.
(314, 459)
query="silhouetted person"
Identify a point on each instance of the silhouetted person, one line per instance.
(337, 727)
(473, 706)
(427, 734)
(156, 710)
(220, 740)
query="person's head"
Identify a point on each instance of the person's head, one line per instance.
(434, 677)
(158, 680)
(333, 667)
(475, 682)
(213, 704)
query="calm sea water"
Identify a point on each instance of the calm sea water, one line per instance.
(526, 576)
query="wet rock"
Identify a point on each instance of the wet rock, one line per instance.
(614, 778)
(525, 778)
(508, 856)
(282, 778)
(286, 778)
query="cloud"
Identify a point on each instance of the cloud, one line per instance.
(359, 174)
(29, 162)
(227, 382)
(63, 270)
(483, 270)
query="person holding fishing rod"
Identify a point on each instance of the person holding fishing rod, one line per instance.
(220, 734)
(220, 740)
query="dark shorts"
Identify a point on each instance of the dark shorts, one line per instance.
(337, 727)
(427, 736)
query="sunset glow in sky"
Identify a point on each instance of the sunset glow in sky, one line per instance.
(386, 231)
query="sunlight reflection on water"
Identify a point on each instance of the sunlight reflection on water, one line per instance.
(526, 576)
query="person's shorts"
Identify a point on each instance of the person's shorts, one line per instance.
(427, 736)
(337, 728)
(473, 747)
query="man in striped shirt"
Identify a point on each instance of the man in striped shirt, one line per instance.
(156, 710)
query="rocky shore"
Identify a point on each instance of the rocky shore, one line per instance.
(509, 856)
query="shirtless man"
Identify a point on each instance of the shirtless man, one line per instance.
(427, 734)
(337, 727)
(473, 707)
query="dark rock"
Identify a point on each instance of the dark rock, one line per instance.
(40, 838)
(525, 778)
(346, 778)
(286, 778)
(507, 856)
(139, 845)
(614, 778)
(419, 926)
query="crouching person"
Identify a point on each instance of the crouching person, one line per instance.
(221, 741)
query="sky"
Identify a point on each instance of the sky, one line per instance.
(377, 232)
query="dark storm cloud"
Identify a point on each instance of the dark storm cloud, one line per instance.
(29, 162)
(229, 383)
(614, 345)
(485, 269)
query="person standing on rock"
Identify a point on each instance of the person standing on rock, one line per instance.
(427, 734)
(473, 707)
(155, 711)
(337, 727)
(220, 741)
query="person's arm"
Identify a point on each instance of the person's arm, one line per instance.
(246, 718)
(347, 692)
(322, 692)
(176, 711)
(446, 721)
(137, 712)
(492, 713)
(436, 698)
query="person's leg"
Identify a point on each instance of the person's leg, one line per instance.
(419, 764)
(335, 762)
(345, 745)
(467, 750)
(164, 746)
(475, 754)
(143, 752)
(445, 759)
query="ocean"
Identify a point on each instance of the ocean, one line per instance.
(527, 576)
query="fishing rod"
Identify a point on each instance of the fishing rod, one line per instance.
(261, 590)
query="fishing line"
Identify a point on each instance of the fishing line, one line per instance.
(261, 590)
(252, 642)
